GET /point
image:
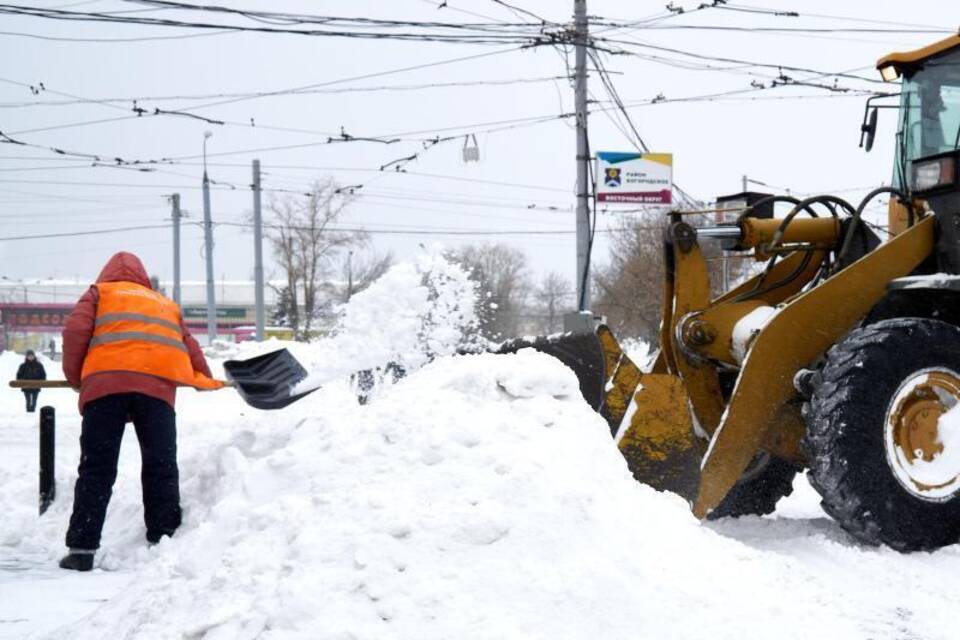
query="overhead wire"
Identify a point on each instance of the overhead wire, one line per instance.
(48, 38)
(476, 33)
(848, 74)
(91, 232)
(618, 104)
(860, 19)
(252, 94)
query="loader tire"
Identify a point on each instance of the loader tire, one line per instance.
(758, 492)
(867, 380)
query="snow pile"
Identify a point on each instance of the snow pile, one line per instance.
(478, 498)
(415, 312)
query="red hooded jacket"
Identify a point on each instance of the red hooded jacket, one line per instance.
(78, 330)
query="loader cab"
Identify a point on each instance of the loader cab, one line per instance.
(929, 118)
(928, 122)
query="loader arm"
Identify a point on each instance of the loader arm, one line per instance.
(804, 328)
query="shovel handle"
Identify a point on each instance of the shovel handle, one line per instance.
(40, 384)
(63, 384)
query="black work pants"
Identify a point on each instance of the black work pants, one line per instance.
(102, 430)
(31, 396)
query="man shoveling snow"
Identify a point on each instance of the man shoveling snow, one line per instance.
(126, 348)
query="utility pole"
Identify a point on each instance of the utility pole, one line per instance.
(258, 253)
(724, 254)
(208, 246)
(583, 156)
(175, 201)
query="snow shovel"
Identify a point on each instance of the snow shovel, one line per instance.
(268, 381)
(264, 382)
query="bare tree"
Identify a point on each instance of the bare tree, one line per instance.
(629, 287)
(281, 234)
(554, 290)
(304, 245)
(359, 272)
(500, 272)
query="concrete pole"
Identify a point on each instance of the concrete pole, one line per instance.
(208, 247)
(175, 200)
(583, 156)
(258, 254)
(724, 255)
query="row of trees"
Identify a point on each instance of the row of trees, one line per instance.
(323, 266)
(311, 253)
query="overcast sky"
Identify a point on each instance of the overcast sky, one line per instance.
(802, 138)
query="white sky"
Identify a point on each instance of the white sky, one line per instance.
(807, 145)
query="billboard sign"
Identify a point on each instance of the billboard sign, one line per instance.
(27, 317)
(223, 313)
(634, 178)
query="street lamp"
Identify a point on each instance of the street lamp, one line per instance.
(206, 136)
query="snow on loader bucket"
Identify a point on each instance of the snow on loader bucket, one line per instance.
(658, 443)
(265, 382)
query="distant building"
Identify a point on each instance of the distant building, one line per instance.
(32, 311)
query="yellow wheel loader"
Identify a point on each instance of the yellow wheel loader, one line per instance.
(840, 357)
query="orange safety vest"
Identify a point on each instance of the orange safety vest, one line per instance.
(138, 330)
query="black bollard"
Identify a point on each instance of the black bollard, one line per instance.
(48, 485)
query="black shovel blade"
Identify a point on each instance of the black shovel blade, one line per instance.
(267, 381)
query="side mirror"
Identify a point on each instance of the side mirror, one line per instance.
(868, 130)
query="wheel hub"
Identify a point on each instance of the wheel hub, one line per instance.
(923, 449)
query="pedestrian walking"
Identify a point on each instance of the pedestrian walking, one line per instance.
(31, 369)
(126, 349)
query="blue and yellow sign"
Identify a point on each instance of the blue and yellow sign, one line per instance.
(635, 178)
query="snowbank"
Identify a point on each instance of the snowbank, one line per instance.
(480, 498)
(477, 498)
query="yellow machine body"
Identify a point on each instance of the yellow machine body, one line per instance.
(722, 400)
(678, 427)
(722, 392)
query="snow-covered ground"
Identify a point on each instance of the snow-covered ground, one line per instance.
(479, 497)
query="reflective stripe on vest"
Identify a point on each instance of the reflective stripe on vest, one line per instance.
(138, 330)
(107, 318)
(138, 335)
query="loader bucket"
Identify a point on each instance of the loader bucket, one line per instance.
(267, 381)
(648, 413)
(582, 352)
(658, 440)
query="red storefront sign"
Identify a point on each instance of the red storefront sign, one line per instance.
(26, 317)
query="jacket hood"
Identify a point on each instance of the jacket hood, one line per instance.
(124, 267)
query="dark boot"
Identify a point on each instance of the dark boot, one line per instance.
(77, 560)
